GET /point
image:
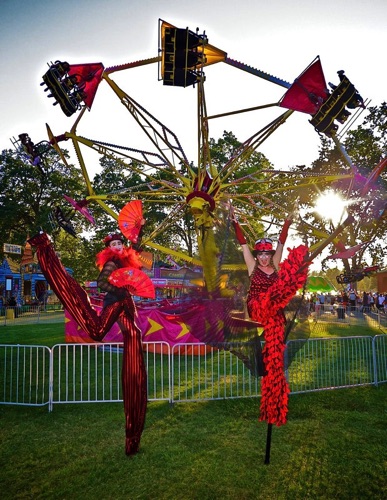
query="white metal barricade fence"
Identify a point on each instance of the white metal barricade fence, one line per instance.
(200, 372)
(380, 358)
(331, 363)
(80, 373)
(25, 372)
(31, 315)
(91, 373)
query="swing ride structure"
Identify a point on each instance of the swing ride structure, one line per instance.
(171, 179)
(209, 192)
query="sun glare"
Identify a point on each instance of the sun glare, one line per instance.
(331, 206)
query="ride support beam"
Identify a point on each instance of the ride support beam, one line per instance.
(257, 72)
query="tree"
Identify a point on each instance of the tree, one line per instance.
(78, 255)
(28, 194)
(365, 145)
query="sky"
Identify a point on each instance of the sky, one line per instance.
(278, 37)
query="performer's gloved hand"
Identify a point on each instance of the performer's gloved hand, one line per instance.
(122, 293)
(284, 232)
(238, 230)
(239, 233)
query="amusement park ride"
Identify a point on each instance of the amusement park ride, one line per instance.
(209, 192)
(172, 180)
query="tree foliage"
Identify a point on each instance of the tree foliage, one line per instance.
(366, 146)
(28, 195)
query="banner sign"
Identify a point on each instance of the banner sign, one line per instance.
(190, 324)
(9, 248)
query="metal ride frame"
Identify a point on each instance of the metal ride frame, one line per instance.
(205, 187)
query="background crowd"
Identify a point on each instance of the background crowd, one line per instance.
(350, 300)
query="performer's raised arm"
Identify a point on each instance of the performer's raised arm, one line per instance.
(277, 257)
(247, 255)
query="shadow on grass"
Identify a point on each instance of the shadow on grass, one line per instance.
(333, 446)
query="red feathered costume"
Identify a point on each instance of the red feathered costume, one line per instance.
(267, 297)
(118, 307)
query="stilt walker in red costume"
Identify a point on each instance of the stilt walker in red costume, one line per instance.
(118, 307)
(272, 286)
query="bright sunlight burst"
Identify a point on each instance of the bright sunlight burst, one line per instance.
(331, 206)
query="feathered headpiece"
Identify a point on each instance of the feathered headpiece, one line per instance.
(127, 258)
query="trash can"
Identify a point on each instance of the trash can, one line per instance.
(340, 313)
(10, 314)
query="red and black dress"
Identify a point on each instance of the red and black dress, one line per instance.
(266, 299)
(118, 307)
(260, 282)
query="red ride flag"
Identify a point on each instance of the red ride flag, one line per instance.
(308, 91)
(88, 79)
(348, 253)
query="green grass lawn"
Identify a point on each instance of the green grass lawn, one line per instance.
(54, 333)
(40, 334)
(333, 446)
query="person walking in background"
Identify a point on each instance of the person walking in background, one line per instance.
(380, 302)
(352, 300)
(13, 304)
(371, 301)
(365, 306)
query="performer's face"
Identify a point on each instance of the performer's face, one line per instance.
(116, 246)
(263, 258)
